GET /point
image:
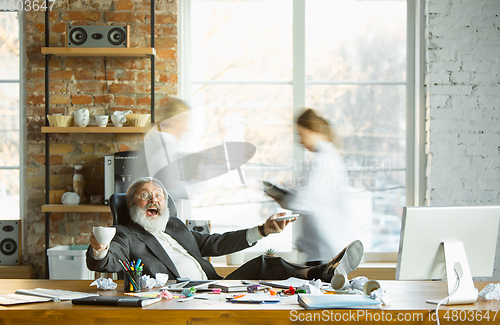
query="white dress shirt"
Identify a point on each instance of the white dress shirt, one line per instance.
(186, 265)
(326, 224)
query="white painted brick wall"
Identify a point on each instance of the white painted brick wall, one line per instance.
(463, 104)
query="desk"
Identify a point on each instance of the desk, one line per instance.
(408, 302)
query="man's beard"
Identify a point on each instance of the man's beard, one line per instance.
(158, 223)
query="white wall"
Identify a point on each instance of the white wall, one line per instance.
(463, 104)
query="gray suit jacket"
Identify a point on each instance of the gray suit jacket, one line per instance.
(132, 242)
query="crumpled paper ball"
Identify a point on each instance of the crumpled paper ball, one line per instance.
(381, 295)
(161, 279)
(358, 282)
(104, 284)
(312, 287)
(158, 281)
(491, 292)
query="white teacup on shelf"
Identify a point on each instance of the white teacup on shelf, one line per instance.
(82, 117)
(102, 120)
(125, 113)
(70, 198)
(118, 120)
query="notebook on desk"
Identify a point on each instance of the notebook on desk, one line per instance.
(229, 287)
(116, 301)
(198, 285)
(327, 301)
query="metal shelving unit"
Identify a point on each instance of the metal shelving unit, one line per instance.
(47, 130)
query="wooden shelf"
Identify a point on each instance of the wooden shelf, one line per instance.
(75, 208)
(95, 129)
(99, 51)
(16, 272)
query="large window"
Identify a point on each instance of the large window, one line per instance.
(10, 81)
(253, 64)
(356, 76)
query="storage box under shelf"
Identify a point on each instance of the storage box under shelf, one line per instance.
(68, 264)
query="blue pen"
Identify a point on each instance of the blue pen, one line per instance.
(138, 262)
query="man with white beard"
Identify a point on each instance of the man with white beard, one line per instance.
(166, 245)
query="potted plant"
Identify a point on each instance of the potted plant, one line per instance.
(270, 252)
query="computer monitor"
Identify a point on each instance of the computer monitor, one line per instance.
(453, 243)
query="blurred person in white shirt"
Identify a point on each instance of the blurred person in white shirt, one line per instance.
(326, 224)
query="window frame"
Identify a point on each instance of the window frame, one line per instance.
(22, 113)
(415, 95)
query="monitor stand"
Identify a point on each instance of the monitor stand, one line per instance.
(461, 288)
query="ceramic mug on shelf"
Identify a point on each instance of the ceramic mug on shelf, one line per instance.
(82, 117)
(124, 113)
(70, 198)
(118, 120)
(102, 120)
(121, 114)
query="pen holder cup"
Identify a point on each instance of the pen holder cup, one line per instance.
(132, 281)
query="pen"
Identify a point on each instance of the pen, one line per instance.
(133, 284)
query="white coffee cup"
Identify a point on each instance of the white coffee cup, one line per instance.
(104, 235)
(118, 120)
(340, 282)
(124, 113)
(82, 117)
(370, 286)
(70, 198)
(102, 120)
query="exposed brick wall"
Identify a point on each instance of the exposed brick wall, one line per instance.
(463, 104)
(80, 82)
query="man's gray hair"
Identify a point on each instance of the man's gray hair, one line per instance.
(141, 181)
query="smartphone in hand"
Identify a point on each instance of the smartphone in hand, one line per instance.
(290, 217)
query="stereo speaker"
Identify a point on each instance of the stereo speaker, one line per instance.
(98, 36)
(10, 242)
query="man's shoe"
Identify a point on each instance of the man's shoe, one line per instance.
(345, 262)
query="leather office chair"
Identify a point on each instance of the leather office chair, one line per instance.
(119, 208)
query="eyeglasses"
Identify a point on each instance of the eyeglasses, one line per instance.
(146, 196)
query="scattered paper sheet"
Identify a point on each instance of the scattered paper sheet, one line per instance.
(55, 294)
(290, 282)
(16, 299)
